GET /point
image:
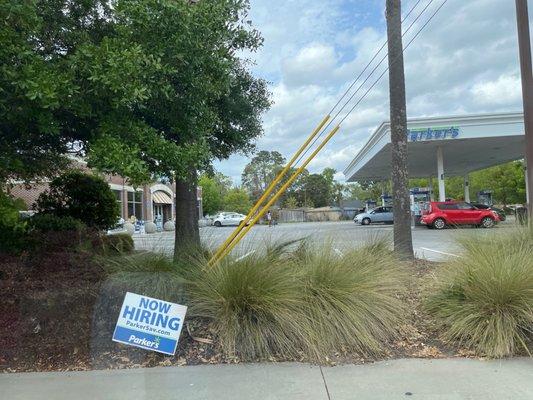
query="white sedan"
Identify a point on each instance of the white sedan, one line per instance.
(228, 219)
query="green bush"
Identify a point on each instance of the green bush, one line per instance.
(117, 243)
(350, 302)
(252, 303)
(484, 300)
(81, 196)
(149, 274)
(12, 228)
(52, 223)
(314, 302)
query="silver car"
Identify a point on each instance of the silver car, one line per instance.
(378, 214)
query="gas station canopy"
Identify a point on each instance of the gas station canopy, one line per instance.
(443, 146)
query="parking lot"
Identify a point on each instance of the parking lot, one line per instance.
(429, 244)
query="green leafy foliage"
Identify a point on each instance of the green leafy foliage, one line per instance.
(44, 107)
(214, 189)
(259, 173)
(12, 228)
(53, 223)
(140, 87)
(185, 95)
(484, 299)
(237, 200)
(317, 190)
(81, 196)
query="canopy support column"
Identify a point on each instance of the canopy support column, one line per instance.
(467, 189)
(440, 174)
(430, 187)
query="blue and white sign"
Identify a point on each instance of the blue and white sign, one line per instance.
(425, 134)
(149, 323)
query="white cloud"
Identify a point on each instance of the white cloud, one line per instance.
(465, 61)
(505, 90)
(312, 65)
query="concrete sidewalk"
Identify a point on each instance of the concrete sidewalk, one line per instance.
(398, 379)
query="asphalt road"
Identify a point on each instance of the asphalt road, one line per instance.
(428, 243)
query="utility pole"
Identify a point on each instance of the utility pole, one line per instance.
(524, 44)
(403, 241)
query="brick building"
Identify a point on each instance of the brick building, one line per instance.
(145, 203)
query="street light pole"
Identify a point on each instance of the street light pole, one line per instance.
(524, 44)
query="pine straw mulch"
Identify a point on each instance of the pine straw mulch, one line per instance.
(47, 323)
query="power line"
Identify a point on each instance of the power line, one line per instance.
(371, 61)
(369, 76)
(385, 71)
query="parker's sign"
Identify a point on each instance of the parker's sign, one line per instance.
(149, 323)
(425, 134)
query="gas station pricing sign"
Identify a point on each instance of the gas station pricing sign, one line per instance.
(149, 323)
(426, 134)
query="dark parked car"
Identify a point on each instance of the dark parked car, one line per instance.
(497, 210)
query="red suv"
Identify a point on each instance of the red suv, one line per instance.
(439, 214)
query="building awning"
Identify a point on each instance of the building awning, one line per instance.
(161, 197)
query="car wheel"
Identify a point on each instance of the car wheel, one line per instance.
(365, 221)
(487, 222)
(439, 223)
(217, 224)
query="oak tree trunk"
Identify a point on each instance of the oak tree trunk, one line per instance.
(187, 231)
(403, 242)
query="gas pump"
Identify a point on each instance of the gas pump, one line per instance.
(386, 200)
(370, 205)
(485, 197)
(419, 197)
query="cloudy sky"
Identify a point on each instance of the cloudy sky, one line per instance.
(464, 61)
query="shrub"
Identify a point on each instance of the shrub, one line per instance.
(52, 223)
(305, 301)
(149, 274)
(84, 197)
(351, 301)
(12, 228)
(252, 304)
(484, 300)
(116, 243)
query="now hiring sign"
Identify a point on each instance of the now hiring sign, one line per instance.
(149, 323)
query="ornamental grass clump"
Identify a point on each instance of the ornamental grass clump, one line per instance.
(351, 302)
(145, 273)
(484, 299)
(251, 304)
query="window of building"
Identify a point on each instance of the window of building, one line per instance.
(118, 197)
(135, 200)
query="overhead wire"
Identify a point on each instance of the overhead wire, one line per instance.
(371, 61)
(385, 71)
(366, 80)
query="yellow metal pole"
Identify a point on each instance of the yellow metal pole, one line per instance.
(269, 189)
(228, 249)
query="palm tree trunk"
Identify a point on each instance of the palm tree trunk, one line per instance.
(403, 242)
(187, 233)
